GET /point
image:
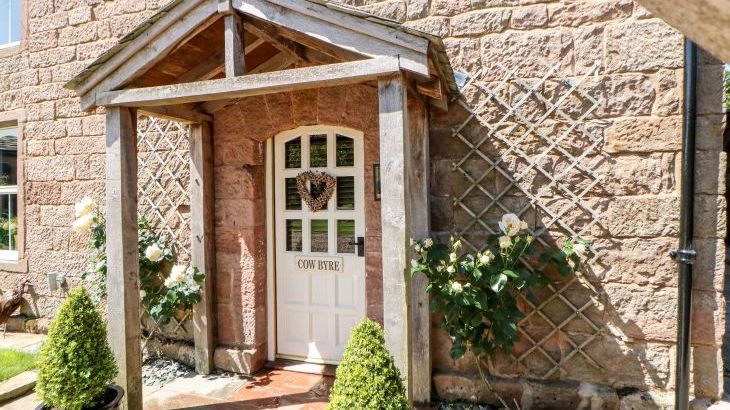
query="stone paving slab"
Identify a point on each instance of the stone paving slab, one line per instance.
(219, 387)
(28, 402)
(268, 389)
(17, 386)
(27, 342)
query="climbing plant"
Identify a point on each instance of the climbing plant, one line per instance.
(476, 294)
(179, 290)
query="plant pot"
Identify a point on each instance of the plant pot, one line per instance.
(111, 400)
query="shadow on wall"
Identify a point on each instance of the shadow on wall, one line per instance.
(577, 157)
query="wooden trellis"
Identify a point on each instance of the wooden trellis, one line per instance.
(532, 151)
(164, 199)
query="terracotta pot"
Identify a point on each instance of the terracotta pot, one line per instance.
(112, 398)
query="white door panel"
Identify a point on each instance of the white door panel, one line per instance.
(320, 278)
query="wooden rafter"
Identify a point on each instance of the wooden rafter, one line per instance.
(270, 34)
(254, 84)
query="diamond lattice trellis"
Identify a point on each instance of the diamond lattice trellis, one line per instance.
(164, 199)
(531, 150)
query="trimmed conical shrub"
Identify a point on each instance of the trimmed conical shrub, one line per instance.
(75, 363)
(367, 378)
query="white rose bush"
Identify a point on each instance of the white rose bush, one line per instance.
(476, 295)
(180, 289)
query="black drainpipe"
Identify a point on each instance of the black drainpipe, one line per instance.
(686, 254)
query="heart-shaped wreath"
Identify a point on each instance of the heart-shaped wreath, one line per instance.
(327, 182)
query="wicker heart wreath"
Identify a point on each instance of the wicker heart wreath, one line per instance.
(316, 178)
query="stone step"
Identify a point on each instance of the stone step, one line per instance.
(17, 386)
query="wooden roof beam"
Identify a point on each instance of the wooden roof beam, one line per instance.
(254, 84)
(216, 64)
(347, 33)
(179, 113)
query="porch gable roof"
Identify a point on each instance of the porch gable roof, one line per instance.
(345, 32)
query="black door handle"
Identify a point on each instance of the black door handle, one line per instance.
(360, 243)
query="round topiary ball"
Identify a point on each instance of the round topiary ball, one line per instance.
(75, 363)
(367, 377)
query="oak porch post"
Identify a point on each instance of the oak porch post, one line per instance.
(202, 242)
(417, 162)
(404, 215)
(122, 253)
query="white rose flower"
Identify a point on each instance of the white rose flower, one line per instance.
(417, 247)
(153, 252)
(414, 263)
(580, 249)
(456, 287)
(523, 225)
(510, 224)
(485, 258)
(452, 257)
(450, 269)
(505, 242)
(428, 243)
(142, 294)
(83, 224)
(178, 274)
(457, 244)
(85, 206)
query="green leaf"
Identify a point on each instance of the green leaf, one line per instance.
(497, 282)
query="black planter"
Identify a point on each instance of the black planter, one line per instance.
(111, 400)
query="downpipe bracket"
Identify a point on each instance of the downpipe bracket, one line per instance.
(684, 256)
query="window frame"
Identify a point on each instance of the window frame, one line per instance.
(14, 261)
(15, 47)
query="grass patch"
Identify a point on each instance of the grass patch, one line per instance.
(13, 362)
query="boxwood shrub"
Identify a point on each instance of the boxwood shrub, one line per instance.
(367, 377)
(75, 363)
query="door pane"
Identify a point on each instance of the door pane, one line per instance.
(345, 151)
(319, 235)
(294, 235)
(345, 235)
(293, 200)
(293, 153)
(346, 193)
(318, 151)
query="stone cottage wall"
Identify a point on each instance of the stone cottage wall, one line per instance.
(636, 201)
(640, 77)
(63, 147)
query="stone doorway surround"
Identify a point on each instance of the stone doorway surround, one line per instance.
(267, 47)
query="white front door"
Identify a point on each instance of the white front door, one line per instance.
(320, 268)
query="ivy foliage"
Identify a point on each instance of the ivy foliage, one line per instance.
(367, 378)
(75, 363)
(476, 294)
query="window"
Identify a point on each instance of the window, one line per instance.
(8, 193)
(9, 23)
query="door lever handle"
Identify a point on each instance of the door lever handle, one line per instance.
(360, 243)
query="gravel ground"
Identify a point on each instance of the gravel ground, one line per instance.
(157, 372)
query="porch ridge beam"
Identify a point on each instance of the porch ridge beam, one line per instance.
(254, 84)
